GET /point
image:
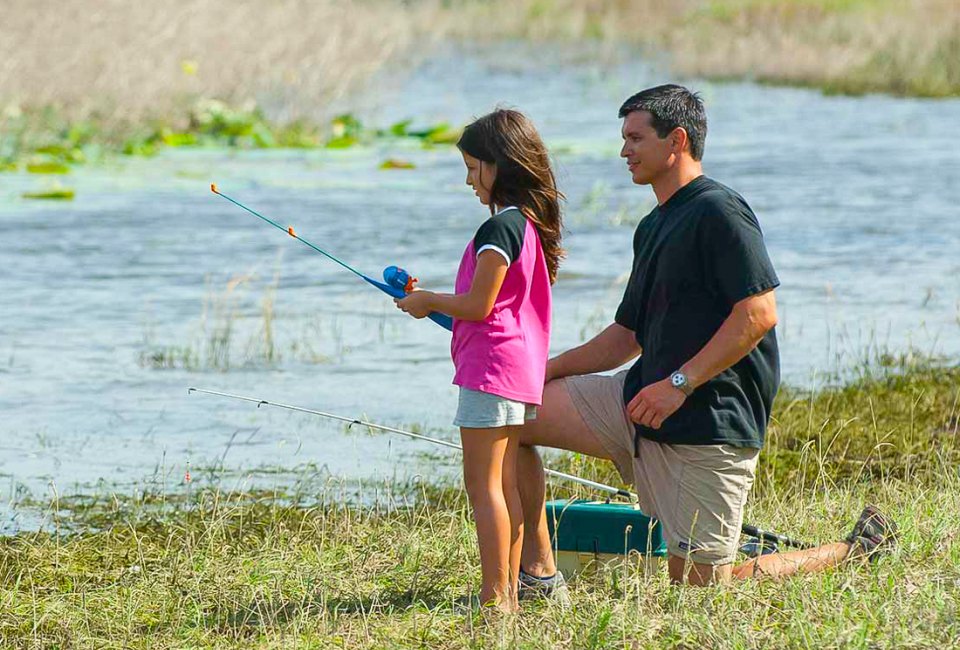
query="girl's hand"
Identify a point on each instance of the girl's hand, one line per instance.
(418, 304)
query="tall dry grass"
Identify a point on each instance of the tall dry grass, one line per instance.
(905, 47)
(136, 59)
(292, 58)
(908, 47)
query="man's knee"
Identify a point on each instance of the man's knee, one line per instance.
(698, 574)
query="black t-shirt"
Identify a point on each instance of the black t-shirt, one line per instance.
(694, 257)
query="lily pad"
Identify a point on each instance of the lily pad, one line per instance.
(441, 133)
(52, 194)
(396, 163)
(48, 167)
(445, 135)
(400, 128)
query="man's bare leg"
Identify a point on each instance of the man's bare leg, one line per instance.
(558, 425)
(781, 565)
(774, 565)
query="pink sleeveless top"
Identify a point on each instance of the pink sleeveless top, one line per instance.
(506, 354)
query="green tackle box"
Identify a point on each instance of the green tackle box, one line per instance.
(586, 534)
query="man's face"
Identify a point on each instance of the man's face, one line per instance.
(647, 155)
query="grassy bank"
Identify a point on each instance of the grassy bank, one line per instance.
(909, 48)
(88, 77)
(203, 569)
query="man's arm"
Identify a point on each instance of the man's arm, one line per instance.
(611, 348)
(748, 322)
(744, 328)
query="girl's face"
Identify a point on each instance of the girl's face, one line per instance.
(480, 176)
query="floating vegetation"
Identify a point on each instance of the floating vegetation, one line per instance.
(51, 167)
(441, 133)
(54, 193)
(45, 142)
(396, 163)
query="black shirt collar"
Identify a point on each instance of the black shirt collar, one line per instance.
(685, 193)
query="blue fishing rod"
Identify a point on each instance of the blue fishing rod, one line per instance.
(397, 282)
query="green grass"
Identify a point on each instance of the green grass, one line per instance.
(200, 568)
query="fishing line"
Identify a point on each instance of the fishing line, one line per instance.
(747, 529)
(398, 282)
(289, 230)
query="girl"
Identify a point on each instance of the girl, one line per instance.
(501, 328)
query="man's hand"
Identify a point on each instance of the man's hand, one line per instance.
(655, 403)
(418, 304)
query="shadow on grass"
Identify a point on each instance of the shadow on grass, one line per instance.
(263, 613)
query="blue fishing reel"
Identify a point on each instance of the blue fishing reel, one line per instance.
(403, 283)
(399, 279)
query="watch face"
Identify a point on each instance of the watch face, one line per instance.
(678, 379)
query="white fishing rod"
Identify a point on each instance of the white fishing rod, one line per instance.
(609, 489)
(747, 529)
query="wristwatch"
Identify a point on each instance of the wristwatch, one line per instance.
(679, 381)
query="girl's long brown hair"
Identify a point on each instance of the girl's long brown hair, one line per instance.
(524, 176)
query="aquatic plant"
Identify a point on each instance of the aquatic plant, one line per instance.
(237, 329)
(54, 192)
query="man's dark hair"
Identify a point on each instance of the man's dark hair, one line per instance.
(671, 106)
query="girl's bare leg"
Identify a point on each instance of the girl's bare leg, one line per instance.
(484, 451)
(511, 493)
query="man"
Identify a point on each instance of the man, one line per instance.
(686, 423)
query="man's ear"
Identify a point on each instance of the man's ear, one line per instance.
(679, 140)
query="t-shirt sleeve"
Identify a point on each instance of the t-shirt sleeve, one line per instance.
(503, 234)
(628, 312)
(732, 247)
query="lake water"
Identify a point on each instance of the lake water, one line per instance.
(856, 197)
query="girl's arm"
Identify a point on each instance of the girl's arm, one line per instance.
(476, 304)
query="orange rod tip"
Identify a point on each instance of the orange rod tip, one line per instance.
(290, 230)
(213, 188)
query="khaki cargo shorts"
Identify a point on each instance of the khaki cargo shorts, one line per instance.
(697, 492)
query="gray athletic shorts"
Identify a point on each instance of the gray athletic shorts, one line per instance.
(485, 411)
(698, 492)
